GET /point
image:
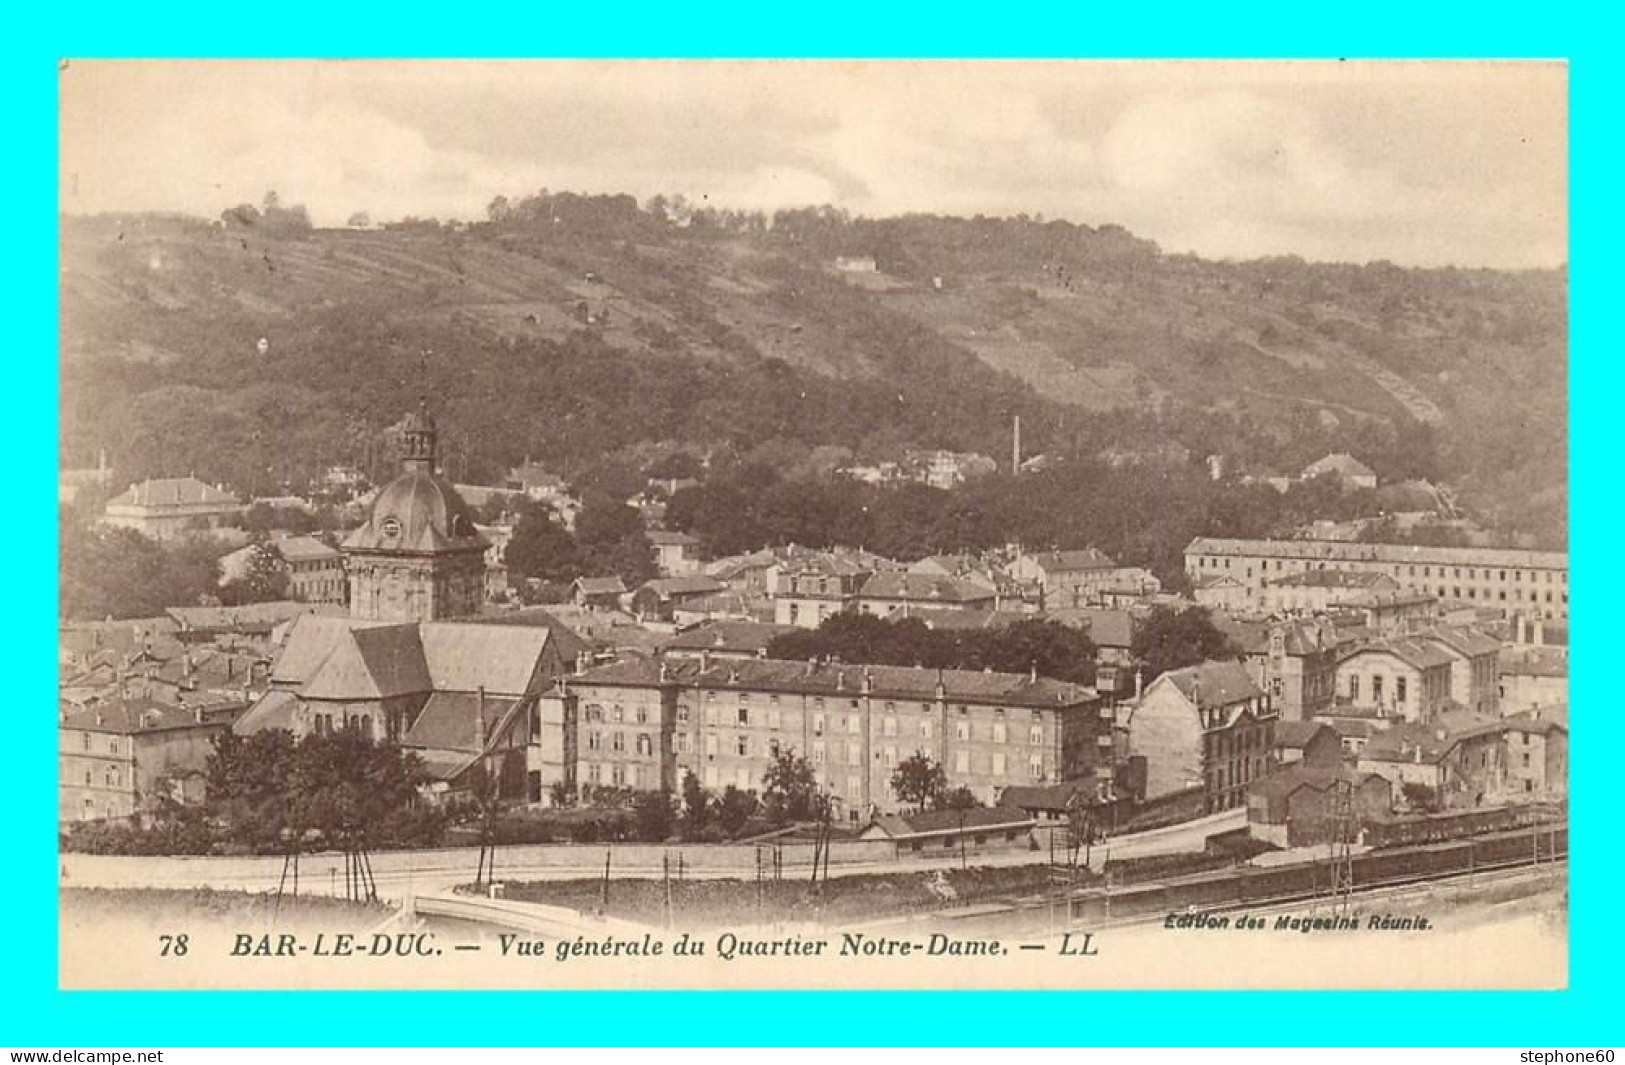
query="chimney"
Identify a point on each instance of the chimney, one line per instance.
(664, 672)
(1032, 673)
(479, 719)
(812, 665)
(868, 680)
(1139, 681)
(705, 660)
(840, 680)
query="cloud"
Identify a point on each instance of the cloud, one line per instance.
(1420, 163)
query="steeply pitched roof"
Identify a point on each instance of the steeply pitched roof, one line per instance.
(1464, 641)
(274, 710)
(371, 663)
(446, 722)
(310, 642)
(1213, 685)
(464, 656)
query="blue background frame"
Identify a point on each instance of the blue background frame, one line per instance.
(35, 1013)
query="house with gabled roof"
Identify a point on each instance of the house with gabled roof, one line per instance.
(168, 507)
(1208, 727)
(1349, 471)
(1459, 756)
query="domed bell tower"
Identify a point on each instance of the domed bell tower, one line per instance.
(419, 556)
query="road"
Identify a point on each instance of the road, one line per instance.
(410, 873)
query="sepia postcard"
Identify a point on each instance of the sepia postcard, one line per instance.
(813, 524)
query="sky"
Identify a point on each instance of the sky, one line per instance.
(1418, 163)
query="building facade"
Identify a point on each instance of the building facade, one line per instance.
(1207, 726)
(117, 758)
(171, 507)
(1535, 583)
(646, 725)
(1406, 679)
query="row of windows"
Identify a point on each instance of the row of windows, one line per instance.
(595, 713)
(112, 777)
(1401, 688)
(87, 742)
(1473, 573)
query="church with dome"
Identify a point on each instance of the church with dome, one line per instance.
(415, 663)
(418, 557)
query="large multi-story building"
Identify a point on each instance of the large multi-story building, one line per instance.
(170, 507)
(644, 724)
(1534, 583)
(120, 757)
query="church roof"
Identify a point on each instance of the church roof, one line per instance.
(446, 722)
(376, 663)
(466, 656)
(419, 513)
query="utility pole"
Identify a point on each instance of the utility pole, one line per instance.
(1342, 845)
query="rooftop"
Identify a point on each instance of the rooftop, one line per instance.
(1071, 561)
(172, 492)
(128, 716)
(945, 822)
(924, 587)
(911, 683)
(1390, 553)
(1213, 685)
(736, 636)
